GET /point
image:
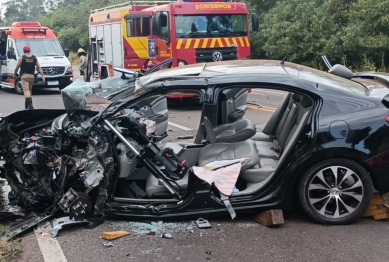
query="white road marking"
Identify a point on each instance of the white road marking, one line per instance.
(271, 92)
(179, 126)
(50, 248)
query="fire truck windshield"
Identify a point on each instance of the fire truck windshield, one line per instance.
(195, 26)
(40, 47)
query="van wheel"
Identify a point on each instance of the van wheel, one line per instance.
(19, 88)
(335, 191)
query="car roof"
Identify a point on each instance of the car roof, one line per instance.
(251, 67)
(233, 66)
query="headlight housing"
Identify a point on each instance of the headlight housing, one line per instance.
(69, 70)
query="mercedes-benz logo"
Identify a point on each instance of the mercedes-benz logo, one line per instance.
(51, 71)
(217, 56)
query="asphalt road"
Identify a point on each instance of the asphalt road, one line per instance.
(239, 240)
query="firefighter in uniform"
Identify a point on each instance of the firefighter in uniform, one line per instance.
(27, 64)
(83, 62)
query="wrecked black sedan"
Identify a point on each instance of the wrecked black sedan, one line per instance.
(326, 146)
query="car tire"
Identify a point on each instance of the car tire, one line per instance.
(19, 87)
(335, 203)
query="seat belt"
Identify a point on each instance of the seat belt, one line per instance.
(228, 205)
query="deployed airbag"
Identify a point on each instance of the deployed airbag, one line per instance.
(224, 178)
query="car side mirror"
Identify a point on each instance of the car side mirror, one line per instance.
(163, 18)
(157, 25)
(11, 55)
(66, 52)
(254, 22)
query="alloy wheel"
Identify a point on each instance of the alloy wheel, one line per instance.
(335, 192)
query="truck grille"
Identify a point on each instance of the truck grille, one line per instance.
(52, 71)
(214, 54)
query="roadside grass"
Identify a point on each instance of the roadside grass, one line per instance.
(8, 249)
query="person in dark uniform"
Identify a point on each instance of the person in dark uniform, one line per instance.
(27, 64)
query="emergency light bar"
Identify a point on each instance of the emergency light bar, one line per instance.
(33, 29)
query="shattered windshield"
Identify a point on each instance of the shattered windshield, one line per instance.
(99, 94)
(210, 26)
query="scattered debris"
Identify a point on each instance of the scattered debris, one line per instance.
(151, 234)
(167, 236)
(202, 223)
(58, 223)
(208, 258)
(185, 137)
(107, 244)
(378, 209)
(114, 234)
(209, 252)
(143, 228)
(270, 218)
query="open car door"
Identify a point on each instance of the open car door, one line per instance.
(232, 105)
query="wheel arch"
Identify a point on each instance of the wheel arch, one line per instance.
(297, 174)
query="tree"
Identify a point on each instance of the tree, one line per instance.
(367, 33)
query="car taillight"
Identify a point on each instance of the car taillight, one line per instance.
(249, 90)
(387, 118)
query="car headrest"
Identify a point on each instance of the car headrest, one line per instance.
(296, 98)
(306, 102)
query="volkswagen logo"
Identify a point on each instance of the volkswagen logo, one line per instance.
(217, 56)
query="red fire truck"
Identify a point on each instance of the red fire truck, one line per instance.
(139, 35)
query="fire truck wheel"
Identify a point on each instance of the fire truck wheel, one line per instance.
(18, 88)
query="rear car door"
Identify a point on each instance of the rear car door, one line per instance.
(232, 105)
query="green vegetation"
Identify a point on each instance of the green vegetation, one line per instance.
(351, 32)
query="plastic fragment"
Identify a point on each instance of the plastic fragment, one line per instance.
(46, 236)
(107, 244)
(167, 236)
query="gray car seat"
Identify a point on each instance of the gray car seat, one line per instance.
(238, 131)
(210, 153)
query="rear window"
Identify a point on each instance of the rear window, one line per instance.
(328, 79)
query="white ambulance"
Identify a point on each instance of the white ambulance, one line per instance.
(44, 45)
